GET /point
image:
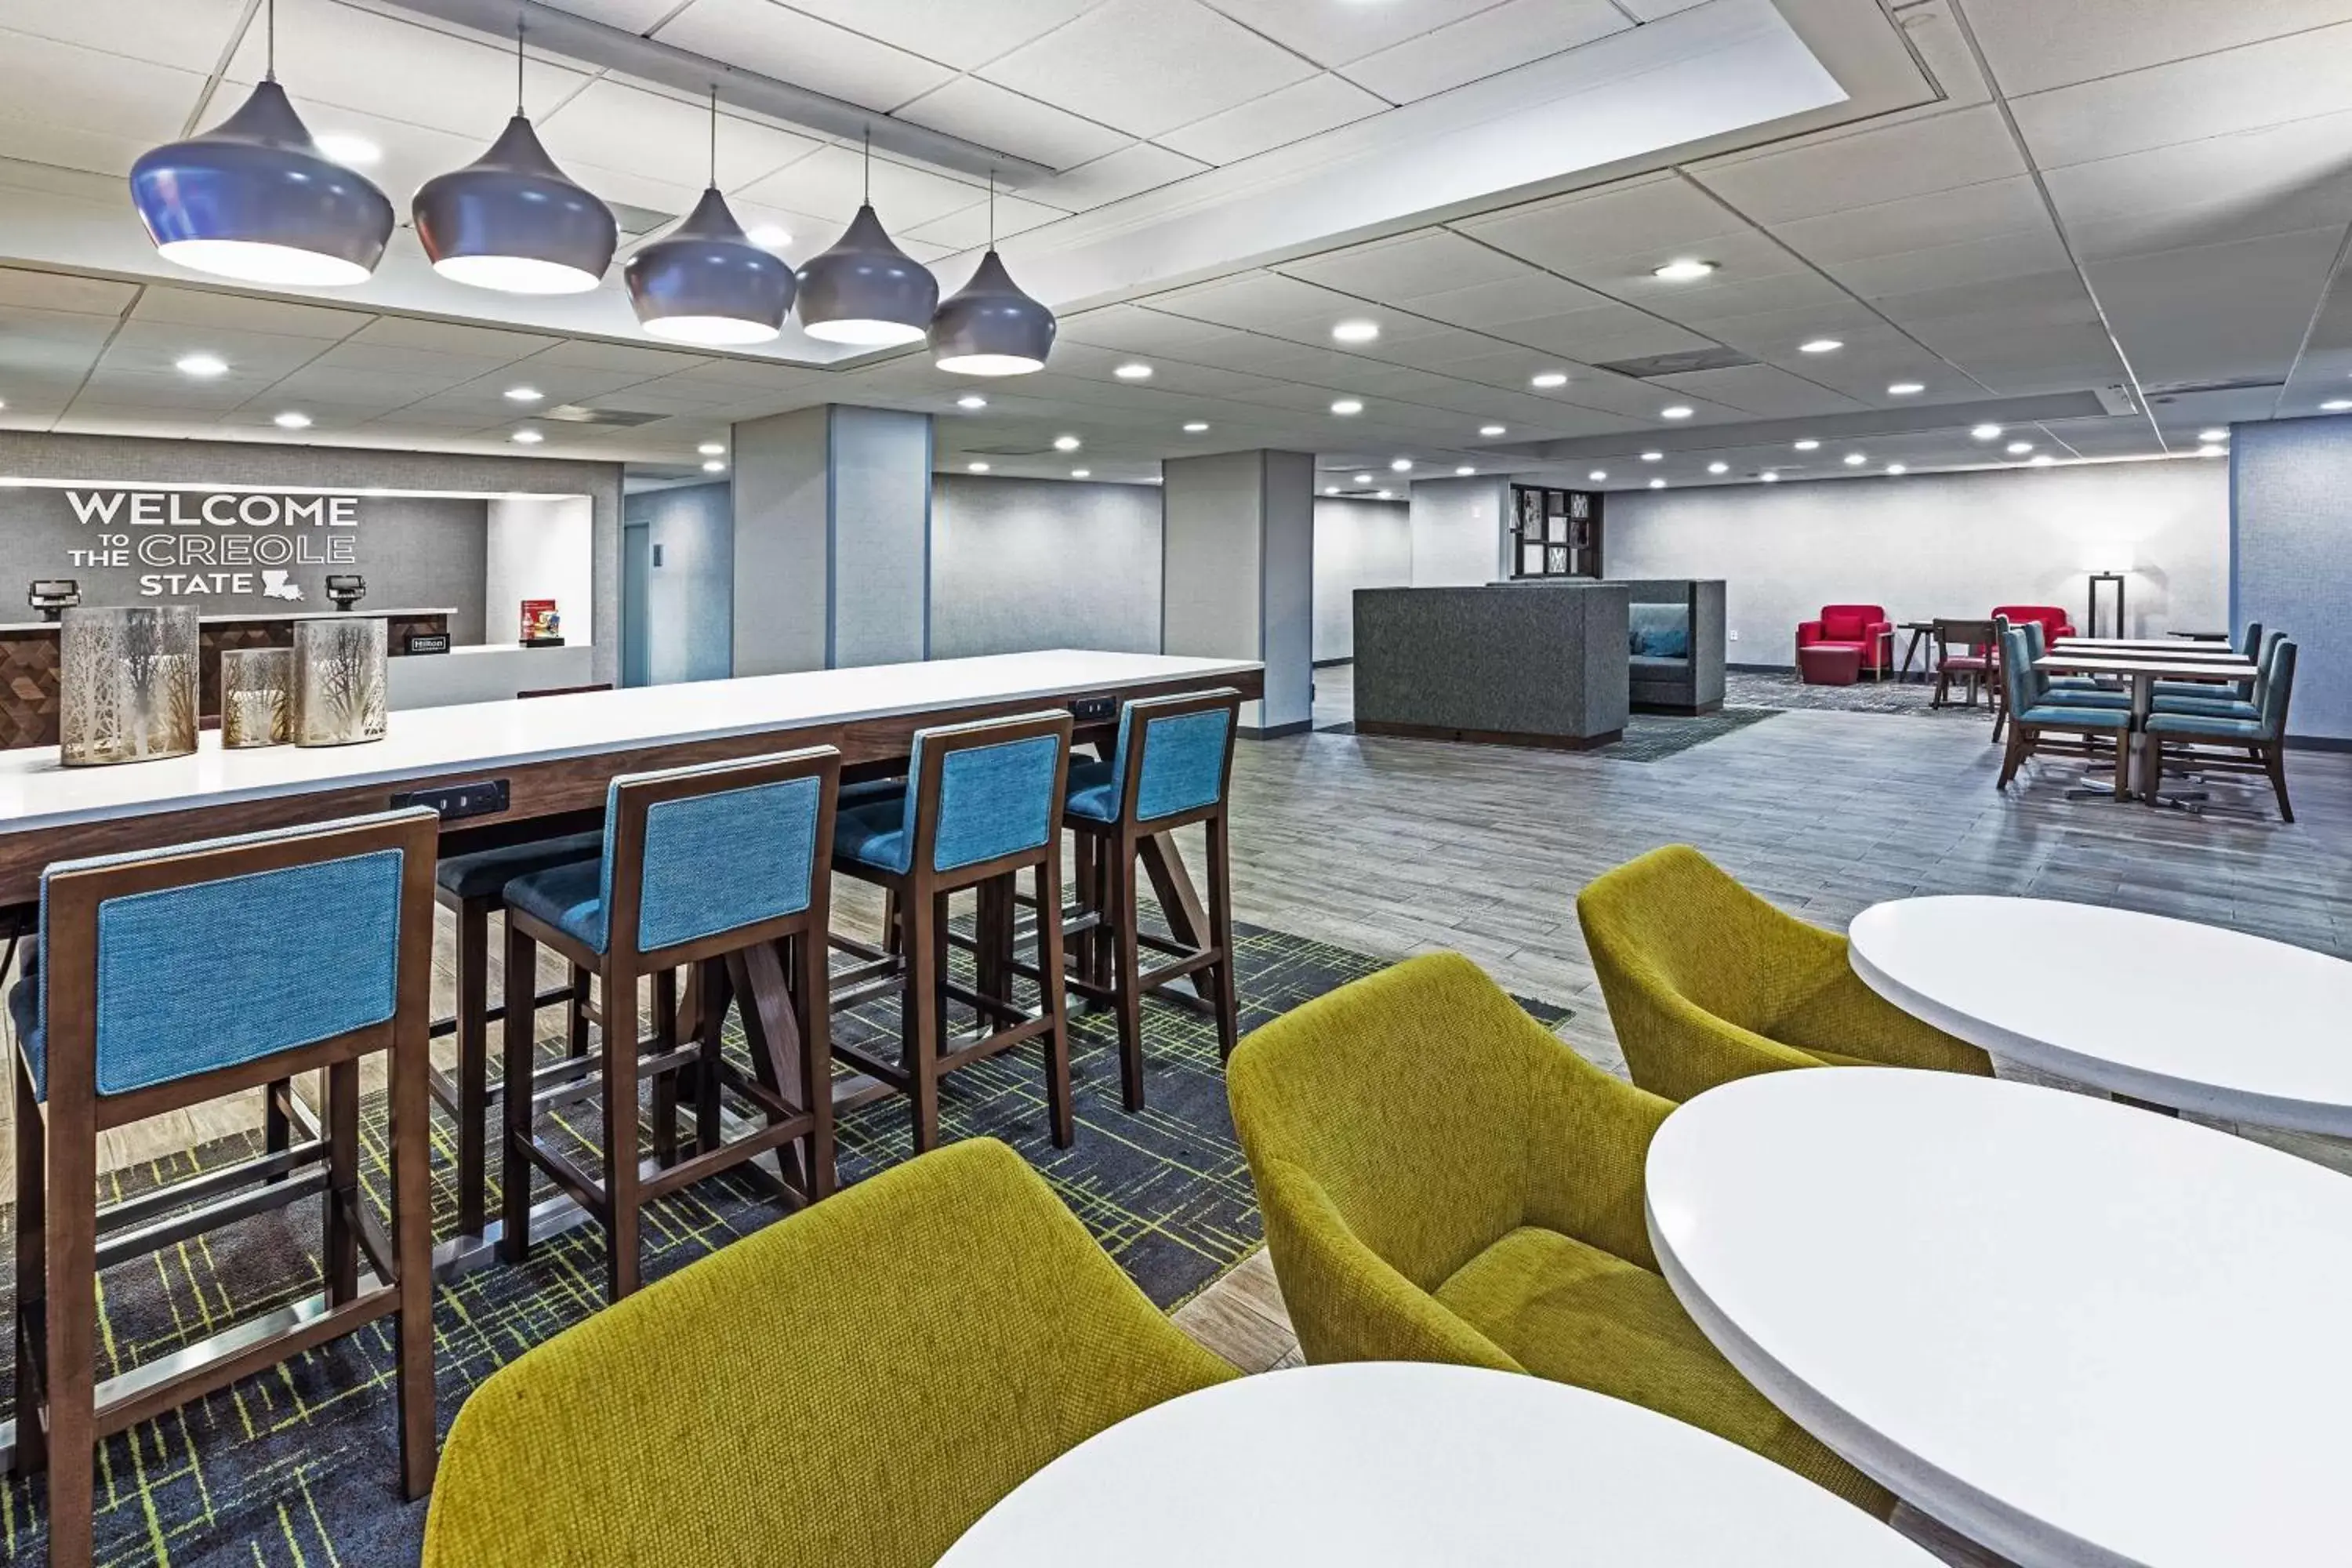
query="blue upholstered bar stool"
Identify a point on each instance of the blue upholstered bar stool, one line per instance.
(721, 869)
(1169, 768)
(982, 804)
(166, 978)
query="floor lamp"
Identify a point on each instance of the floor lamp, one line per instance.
(2091, 628)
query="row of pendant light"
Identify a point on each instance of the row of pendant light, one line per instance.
(255, 199)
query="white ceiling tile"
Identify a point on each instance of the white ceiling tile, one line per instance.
(764, 36)
(450, 338)
(1762, 390)
(980, 31)
(629, 15)
(968, 230)
(1492, 41)
(2033, 44)
(1653, 220)
(1604, 333)
(1130, 172)
(1289, 115)
(1652, 10)
(1149, 66)
(63, 291)
(2272, 180)
(78, 88)
(832, 181)
(1919, 223)
(2238, 89)
(1426, 261)
(997, 117)
(1955, 266)
(1333, 32)
(1908, 157)
(1530, 297)
(193, 312)
(615, 125)
(187, 34)
(2177, 326)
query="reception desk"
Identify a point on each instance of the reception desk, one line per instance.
(1519, 663)
(28, 661)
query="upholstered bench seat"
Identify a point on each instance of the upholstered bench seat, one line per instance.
(1829, 664)
(2208, 707)
(2061, 715)
(485, 871)
(570, 897)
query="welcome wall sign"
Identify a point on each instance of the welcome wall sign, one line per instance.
(198, 545)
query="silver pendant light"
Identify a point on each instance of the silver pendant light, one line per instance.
(705, 282)
(990, 327)
(866, 290)
(253, 198)
(512, 221)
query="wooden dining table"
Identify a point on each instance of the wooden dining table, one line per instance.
(2143, 670)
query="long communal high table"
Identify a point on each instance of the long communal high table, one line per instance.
(504, 772)
(2144, 671)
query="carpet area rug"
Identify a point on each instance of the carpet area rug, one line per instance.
(1782, 689)
(296, 1468)
(1653, 737)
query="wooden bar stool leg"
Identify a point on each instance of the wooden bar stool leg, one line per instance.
(620, 1099)
(811, 999)
(576, 1011)
(1224, 997)
(1082, 882)
(666, 1039)
(32, 1258)
(341, 1243)
(521, 979)
(1128, 959)
(992, 929)
(894, 934)
(715, 991)
(411, 1137)
(473, 1063)
(72, 1374)
(1098, 896)
(1054, 997)
(276, 1127)
(918, 1029)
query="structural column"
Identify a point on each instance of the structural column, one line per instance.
(832, 539)
(1459, 534)
(1238, 573)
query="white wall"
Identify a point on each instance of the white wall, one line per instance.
(541, 547)
(1939, 544)
(1457, 531)
(1032, 564)
(1357, 544)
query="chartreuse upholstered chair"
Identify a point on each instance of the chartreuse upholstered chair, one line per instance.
(856, 1384)
(1445, 1181)
(1706, 983)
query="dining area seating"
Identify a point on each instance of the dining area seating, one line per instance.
(1844, 643)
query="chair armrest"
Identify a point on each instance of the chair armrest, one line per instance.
(1880, 629)
(1808, 633)
(1345, 1301)
(1588, 1135)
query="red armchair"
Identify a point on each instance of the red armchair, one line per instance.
(1862, 627)
(2054, 624)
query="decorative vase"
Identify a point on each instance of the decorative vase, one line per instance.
(257, 697)
(126, 684)
(339, 680)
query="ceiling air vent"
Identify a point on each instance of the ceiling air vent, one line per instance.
(1715, 356)
(634, 221)
(618, 419)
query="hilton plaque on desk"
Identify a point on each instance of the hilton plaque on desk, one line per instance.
(427, 642)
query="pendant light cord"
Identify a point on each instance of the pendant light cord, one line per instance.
(991, 208)
(714, 136)
(269, 36)
(519, 23)
(868, 199)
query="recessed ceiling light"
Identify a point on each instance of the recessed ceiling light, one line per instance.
(2336, 404)
(1675, 411)
(1465, 472)
(1985, 432)
(1820, 346)
(975, 467)
(1347, 406)
(1896, 469)
(1066, 443)
(1856, 459)
(1356, 331)
(771, 237)
(292, 421)
(1906, 388)
(1718, 468)
(1808, 445)
(351, 151)
(2017, 449)
(972, 400)
(1491, 430)
(1657, 484)
(1330, 490)
(532, 438)
(1363, 478)
(1401, 465)
(1548, 378)
(1133, 373)
(203, 367)
(1770, 477)
(1082, 473)
(1682, 269)
(2216, 434)
(714, 467)
(1384, 495)
(2212, 449)
(523, 395)
(1196, 428)
(1597, 476)
(2040, 460)
(712, 448)
(1652, 457)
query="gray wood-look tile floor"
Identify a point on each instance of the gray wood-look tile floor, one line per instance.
(1395, 848)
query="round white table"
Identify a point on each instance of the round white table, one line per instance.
(2187, 1016)
(1399, 1464)
(2078, 1334)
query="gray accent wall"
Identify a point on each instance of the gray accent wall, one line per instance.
(881, 536)
(134, 461)
(1939, 544)
(1357, 544)
(690, 612)
(1239, 579)
(1457, 531)
(1035, 563)
(2290, 557)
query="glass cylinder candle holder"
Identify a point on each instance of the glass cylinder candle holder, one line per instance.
(126, 684)
(339, 679)
(257, 697)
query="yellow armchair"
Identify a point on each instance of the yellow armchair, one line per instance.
(855, 1383)
(1443, 1180)
(1706, 983)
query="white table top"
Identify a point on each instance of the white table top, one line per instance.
(1388, 1463)
(2190, 1017)
(2077, 1333)
(36, 791)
